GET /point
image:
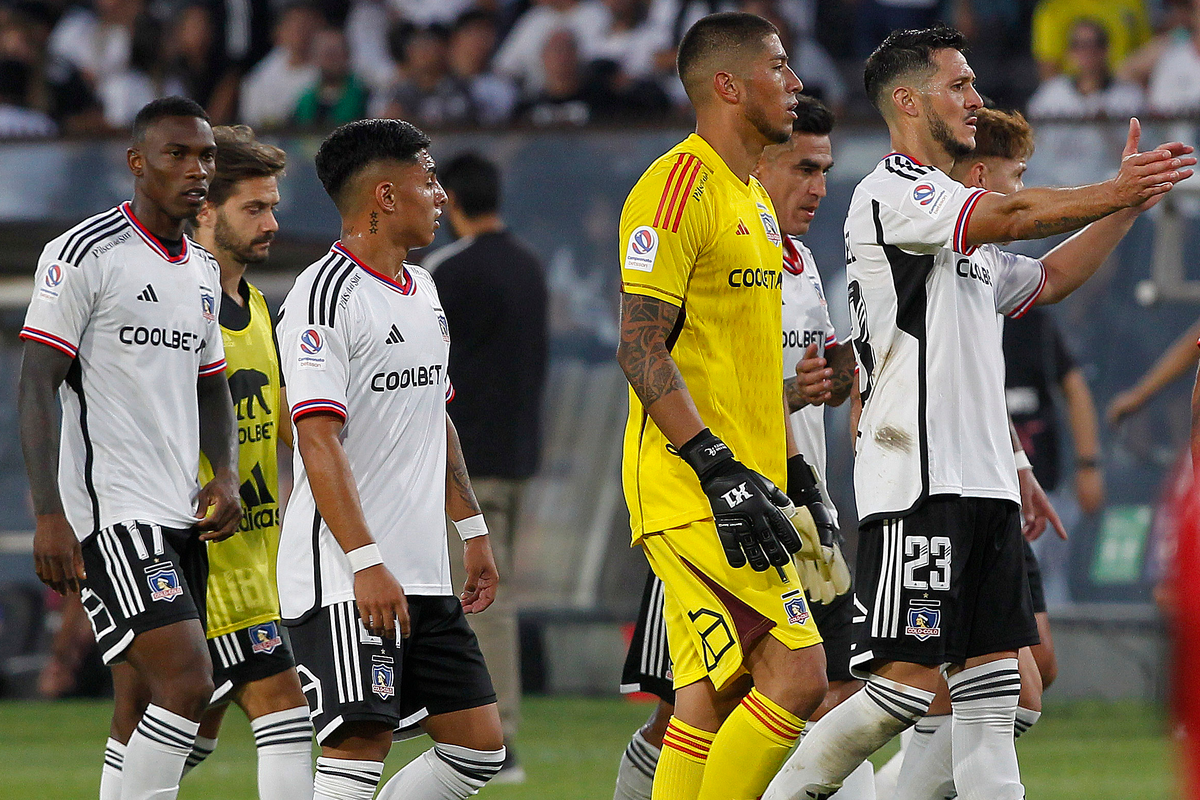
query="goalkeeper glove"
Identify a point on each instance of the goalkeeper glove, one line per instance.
(747, 508)
(823, 570)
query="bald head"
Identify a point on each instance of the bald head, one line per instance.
(725, 42)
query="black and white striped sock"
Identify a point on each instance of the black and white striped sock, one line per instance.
(635, 775)
(202, 749)
(1026, 719)
(110, 776)
(345, 779)
(444, 772)
(284, 742)
(984, 699)
(156, 753)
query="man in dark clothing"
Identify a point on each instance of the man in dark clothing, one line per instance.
(493, 290)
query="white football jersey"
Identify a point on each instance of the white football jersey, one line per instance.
(373, 351)
(806, 321)
(141, 326)
(925, 319)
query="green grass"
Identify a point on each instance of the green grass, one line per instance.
(570, 748)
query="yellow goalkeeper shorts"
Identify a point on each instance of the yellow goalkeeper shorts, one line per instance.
(715, 613)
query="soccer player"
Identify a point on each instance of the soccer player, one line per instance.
(252, 665)
(123, 325)
(363, 551)
(707, 437)
(940, 562)
(818, 371)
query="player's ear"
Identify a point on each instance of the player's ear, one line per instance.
(206, 215)
(385, 195)
(726, 87)
(978, 175)
(904, 99)
(136, 161)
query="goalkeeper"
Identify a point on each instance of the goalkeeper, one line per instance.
(817, 371)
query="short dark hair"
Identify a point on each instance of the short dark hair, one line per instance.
(1095, 25)
(1002, 134)
(355, 145)
(906, 52)
(241, 156)
(812, 116)
(474, 181)
(163, 107)
(721, 33)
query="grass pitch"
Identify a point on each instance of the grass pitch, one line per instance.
(570, 748)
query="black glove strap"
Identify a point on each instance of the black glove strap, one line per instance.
(705, 453)
(802, 482)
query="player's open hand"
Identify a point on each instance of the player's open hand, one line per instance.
(219, 508)
(1036, 508)
(814, 379)
(479, 591)
(57, 557)
(382, 606)
(1146, 176)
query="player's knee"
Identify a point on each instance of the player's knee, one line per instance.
(656, 727)
(804, 682)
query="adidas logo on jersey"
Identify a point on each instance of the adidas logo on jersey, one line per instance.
(394, 336)
(148, 294)
(742, 230)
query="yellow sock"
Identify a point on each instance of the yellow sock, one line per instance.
(749, 749)
(681, 764)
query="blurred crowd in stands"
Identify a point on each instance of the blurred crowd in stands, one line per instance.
(86, 66)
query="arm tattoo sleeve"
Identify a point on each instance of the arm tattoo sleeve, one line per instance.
(646, 323)
(458, 482)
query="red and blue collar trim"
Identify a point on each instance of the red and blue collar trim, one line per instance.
(792, 260)
(404, 283)
(150, 239)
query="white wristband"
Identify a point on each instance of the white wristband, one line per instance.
(362, 557)
(1022, 460)
(471, 527)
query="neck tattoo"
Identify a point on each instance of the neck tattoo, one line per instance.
(374, 222)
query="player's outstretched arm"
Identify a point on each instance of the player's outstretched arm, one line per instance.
(1081, 413)
(218, 441)
(56, 554)
(1040, 212)
(483, 578)
(380, 599)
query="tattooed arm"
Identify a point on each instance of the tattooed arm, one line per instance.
(1040, 212)
(482, 576)
(821, 381)
(646, 323)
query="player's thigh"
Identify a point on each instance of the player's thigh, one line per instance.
(1043, 651)
(131, 695)
(715, 613)
(171, 654)
(1031, 681)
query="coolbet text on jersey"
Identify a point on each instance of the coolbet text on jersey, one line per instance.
(698, 238)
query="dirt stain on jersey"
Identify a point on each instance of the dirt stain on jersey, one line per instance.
(893, 438)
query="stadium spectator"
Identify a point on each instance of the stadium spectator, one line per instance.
(96, 40)
(561, 100)
(194, 57)
(810, 61)
(472, 43)
(998, 34)
(1174, 25)
(1175, 79)
(443, 12)
(17, 119)
(631, 38)
(367, 25)
(426, 93)
(493, 290)
(337, 96)
(521, 55)
(1074, 152)
(56, 86)
(124, 92)
(273, 87)
(1126, 21)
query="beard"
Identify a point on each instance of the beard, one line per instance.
(772, 132)
(942, 134)
(242, 250)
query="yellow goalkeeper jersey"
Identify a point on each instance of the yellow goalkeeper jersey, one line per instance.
(241, 577)
(695, 236)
